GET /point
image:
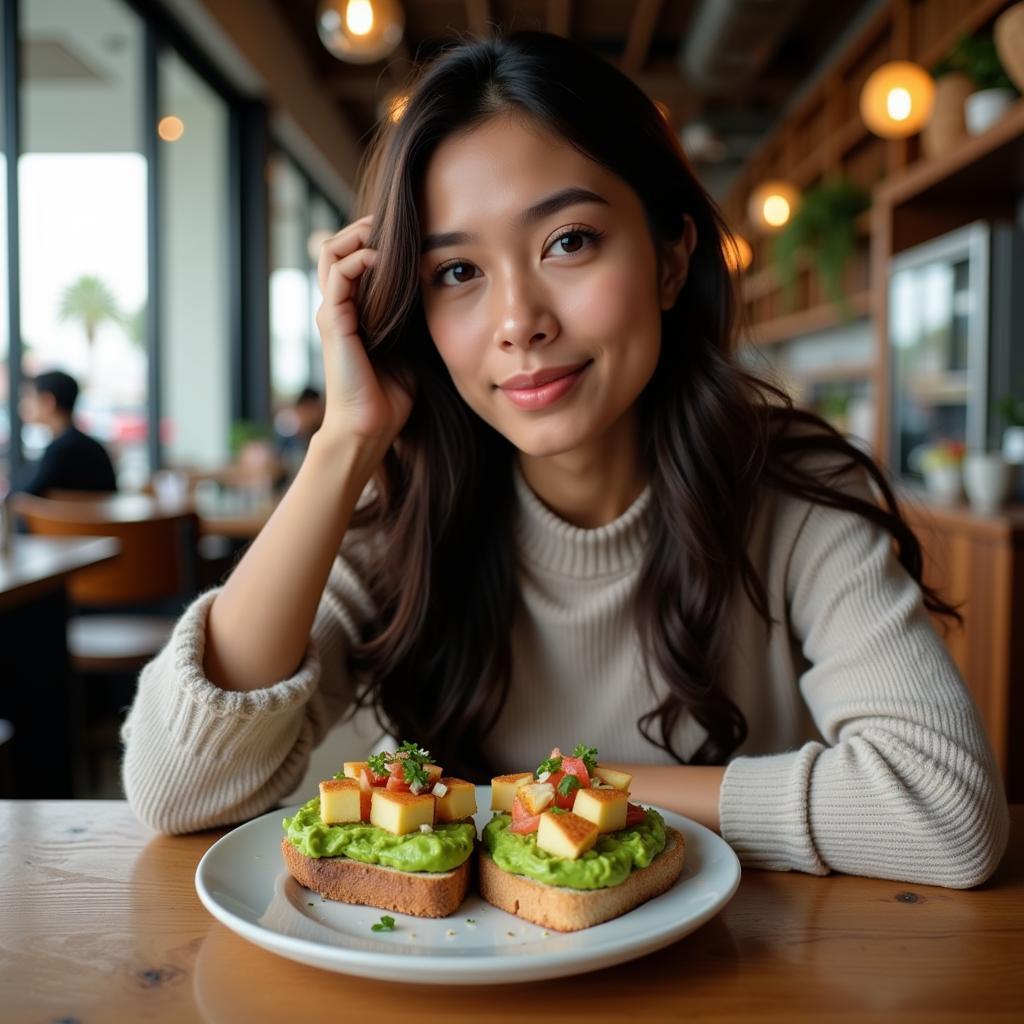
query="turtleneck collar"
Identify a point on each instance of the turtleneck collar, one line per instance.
(551, 543)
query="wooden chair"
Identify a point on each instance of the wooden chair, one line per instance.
(156, 564)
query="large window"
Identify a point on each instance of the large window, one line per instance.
(82, 213)
(300, 218)
(195, 285)
(5, 345)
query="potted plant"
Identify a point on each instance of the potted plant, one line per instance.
(977, 57)
(823, 229)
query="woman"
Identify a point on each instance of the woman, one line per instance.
(582, 521)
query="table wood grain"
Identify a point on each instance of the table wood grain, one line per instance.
(100, 922)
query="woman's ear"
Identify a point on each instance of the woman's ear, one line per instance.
(675, 263)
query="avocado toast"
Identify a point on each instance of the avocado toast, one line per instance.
(392, 832)
(567, 850)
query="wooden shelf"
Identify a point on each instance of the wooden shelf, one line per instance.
(804, 321)
(970, 172)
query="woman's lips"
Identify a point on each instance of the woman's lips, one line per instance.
(545, 394)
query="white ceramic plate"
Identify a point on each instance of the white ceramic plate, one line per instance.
(242, 881)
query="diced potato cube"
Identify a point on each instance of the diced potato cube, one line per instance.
(459, 800)
(606, 808)
(566, 835)
(339, 801)
(620, 780)
(536, 796)
(350, 769)
(399, 812)
(503, 790)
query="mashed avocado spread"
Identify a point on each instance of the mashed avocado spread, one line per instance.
(610, 861)
(441, 850)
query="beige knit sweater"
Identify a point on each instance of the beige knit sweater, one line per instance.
(865, 752)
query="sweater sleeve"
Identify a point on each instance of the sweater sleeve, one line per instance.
(907, 787)
(197, 756)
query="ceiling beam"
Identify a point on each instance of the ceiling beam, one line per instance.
(559, 17)
(638, 39)
(478, 14)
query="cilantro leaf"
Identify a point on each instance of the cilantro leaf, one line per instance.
(588, 754)
(387, 924)
(338, 775)
(568, 785)
(552, 764)
(379, 763)
(414, 771)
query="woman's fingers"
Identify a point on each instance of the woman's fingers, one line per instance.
(346, 241)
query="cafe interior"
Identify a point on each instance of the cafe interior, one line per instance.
(170, 170)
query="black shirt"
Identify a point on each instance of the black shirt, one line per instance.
(72, 462)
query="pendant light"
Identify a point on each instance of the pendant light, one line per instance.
(360, 31)
(897, 99)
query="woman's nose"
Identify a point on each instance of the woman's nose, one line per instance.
(524, 321)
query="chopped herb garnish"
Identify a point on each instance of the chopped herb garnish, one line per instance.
(386, 924)
(413, 749)
(338, 775)
(568, 785)
(414, 771)
(588, 754)
(379, 763)
(552, 764)
(470, 920)
(309, 904)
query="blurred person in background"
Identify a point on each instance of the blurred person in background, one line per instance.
(73, 461)
(296, 425)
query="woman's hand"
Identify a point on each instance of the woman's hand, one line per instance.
(360, 405)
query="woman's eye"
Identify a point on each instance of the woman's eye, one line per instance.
(457, 270)
(577, 239)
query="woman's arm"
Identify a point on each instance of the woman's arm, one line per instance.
(690, 790)
(905, 785)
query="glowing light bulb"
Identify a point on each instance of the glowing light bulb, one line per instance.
(776, 210)
(170, 128)
(898, 104)
(359, 17)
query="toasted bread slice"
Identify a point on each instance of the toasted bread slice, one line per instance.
(569, 910)
(420, 893)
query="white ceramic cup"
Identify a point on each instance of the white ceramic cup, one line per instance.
(986, 480)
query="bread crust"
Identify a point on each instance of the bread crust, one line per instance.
(568, 910)
(420, 893)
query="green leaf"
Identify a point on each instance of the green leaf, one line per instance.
(588, 754)
(379, 762)
(387, 924)
(568, 785)
(552, 764)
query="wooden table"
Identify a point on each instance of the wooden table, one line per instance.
(101, 922)
(34, 666)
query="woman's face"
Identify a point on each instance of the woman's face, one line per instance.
(538, 262)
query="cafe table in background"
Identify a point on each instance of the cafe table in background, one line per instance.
(35, 691)
(101, 922)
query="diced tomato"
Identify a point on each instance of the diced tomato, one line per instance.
(525, 825)
(397, 784)
(565, 802)
(365, 794)
(578, 767)
(522, 821)
(518, 810)
(635, 814)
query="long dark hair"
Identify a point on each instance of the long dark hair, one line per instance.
(436, 661)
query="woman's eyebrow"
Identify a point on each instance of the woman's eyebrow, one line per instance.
(545, 208)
